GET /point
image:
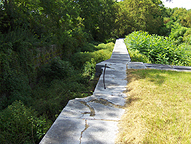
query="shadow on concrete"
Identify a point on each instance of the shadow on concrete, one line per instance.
(62, 129)
(97, 132)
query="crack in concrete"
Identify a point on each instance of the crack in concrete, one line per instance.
(93, 119)
(86, 127)
(100, 101)
(106, 103)
(92, 111)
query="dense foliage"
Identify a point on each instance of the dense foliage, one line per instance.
(49, 48)
(173, 48)
(158, 49)
(19, 124)
(136, 15)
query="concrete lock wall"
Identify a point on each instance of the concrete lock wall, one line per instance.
(94, 119)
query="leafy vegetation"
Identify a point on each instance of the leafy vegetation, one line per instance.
(158, 49)
(158, 108)
(134, 15)
(56, 82)
(19, 124)
(49, 48)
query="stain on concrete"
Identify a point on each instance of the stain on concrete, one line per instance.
(106, 103)
(92, 111)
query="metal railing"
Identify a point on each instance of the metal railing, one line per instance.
(104, 76)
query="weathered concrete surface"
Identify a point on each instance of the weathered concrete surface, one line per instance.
(100, 132)
(93, 120)
(140, 65)
(136, 65)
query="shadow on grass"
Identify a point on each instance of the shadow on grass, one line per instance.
(132, 99)
(155, 76)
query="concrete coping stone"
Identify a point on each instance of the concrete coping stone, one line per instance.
(136, 65)
(141, 65)
(182, 67)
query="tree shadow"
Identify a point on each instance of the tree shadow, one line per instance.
(153, 75)
(131, 99)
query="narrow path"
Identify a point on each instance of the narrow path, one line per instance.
(94, 119)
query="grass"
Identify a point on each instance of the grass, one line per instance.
(158, 108)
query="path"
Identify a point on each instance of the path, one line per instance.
(94, 119)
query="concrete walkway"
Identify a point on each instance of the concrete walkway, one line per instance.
(94, 119)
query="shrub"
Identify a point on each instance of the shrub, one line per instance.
(15, 86)
(19, 124)
(88, 47)
(158, 49)
(89, 69)
(187, 54)
(108, 46)
(17, 70)
(80, 58)
(136, 56)
(187, 37)
(177, 33)
(101, 55)
(51, 100)
(57, 69)
(102, 52)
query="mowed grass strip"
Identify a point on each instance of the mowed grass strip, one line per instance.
(158, 108)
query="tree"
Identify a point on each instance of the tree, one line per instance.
(98, 17)
(143, 15)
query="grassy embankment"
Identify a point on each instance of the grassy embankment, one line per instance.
(158, 108)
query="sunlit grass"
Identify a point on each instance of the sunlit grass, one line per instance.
(158, 108)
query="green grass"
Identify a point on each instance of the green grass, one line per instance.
(158, 108)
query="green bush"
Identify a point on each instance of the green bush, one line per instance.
(15, 86)
(136, 56)
(187, 37)
(71, 41)
(88, 47)
(57, 69)
(51, 99)
(17, 69)
(159, 49)
(108, 46)
(80, 58)
(19, 125)
(102, 52)
(187, 54)
(89, 69)
(59, 82)
(101, 55)
(177, 33)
